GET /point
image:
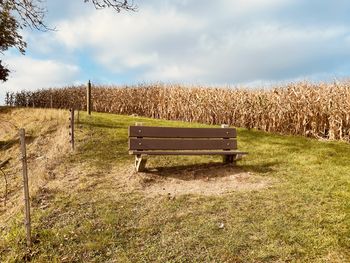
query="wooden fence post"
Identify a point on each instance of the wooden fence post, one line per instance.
(71, 126)
(25, 186)
(88, 98)
(51, 101)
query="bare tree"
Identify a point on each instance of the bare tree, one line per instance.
(116, 5)
(28, 13)
(18, 14)
(32, 12)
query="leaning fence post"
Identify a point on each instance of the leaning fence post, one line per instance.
(71, 126)
(88, 98)
(25, 186)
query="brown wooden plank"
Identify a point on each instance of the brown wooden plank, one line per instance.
(170, 132)
(187, 152)
(178, 144)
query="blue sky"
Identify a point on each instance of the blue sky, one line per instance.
(234, 42)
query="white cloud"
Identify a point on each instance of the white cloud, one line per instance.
(192, 41)
(174, 72)
(244, 7)
(170, 46)
(126, 41)
(31, 74)
(271, 52)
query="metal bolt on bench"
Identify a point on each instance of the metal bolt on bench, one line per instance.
(147, 140)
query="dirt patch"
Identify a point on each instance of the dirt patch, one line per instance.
(208, 180)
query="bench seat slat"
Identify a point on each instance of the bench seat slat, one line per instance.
(170, 132)
(187, 152)
(177, 144)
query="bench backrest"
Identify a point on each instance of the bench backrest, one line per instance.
(168, 138)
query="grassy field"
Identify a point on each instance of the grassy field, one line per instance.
(96, 209)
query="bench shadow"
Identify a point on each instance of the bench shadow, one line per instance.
(208, 170)
(262, 168)
(100, 125)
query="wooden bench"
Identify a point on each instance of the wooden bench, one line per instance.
(146, 140)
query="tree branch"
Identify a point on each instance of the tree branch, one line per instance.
(30, 12)
(115, 4)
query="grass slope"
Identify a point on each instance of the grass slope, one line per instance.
(87, 215)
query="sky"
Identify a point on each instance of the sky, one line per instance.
(201, 42)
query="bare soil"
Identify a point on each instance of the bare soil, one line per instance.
(209, 180)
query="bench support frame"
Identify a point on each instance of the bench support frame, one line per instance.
(227, 159)
(141, 160)
(140, 163)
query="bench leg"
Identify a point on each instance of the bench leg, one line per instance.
(229, 159)
(140, 163)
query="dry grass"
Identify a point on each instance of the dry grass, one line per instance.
(47, 140)
(300, 218)
(96, 211)
(206, 180)
(313, 110)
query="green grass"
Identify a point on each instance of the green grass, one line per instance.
(303, 217)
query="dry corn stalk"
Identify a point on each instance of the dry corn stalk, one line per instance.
(315, 110)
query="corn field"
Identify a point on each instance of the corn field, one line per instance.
(313, 110)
